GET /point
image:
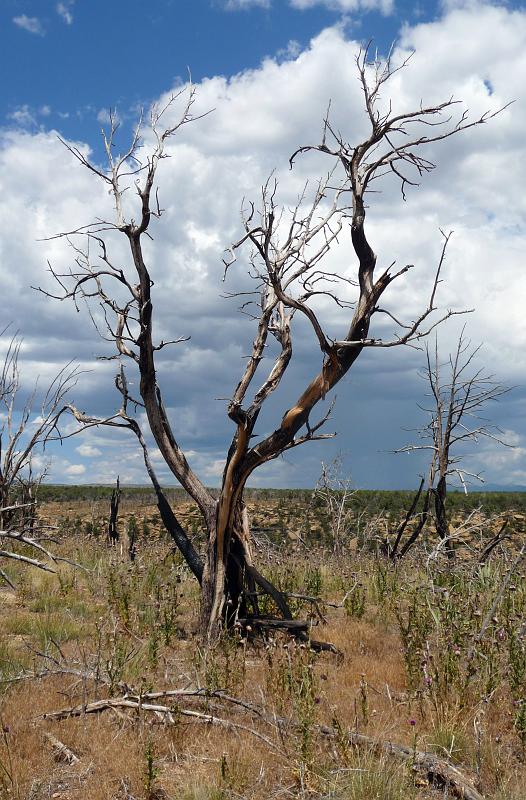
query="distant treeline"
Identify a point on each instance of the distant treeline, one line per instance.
(371, 500)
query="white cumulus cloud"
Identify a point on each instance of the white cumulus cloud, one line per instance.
(262, 115)
(75, 470)
(23, 116)
(26, 116)
(88, 451)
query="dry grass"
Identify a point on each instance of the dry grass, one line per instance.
(117, 627)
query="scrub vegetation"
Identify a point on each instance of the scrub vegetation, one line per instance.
(108, 692)
(214, 644)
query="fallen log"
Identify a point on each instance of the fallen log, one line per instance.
(167, 714)
(61, 751)
(437, 771)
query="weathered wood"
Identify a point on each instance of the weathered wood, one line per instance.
(437, 771)
(62, 752)
(293, 625)
(298, 628)
(167, 714)
(113, 532)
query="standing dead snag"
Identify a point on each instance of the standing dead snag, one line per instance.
(20, 441)
(334, 493)
(455, 402)
(113, 533)
(289, 251)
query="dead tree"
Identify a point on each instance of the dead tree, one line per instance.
(399, 548)
(287, 251)
(16, 539)
(334, 493)
(20, 442)
(113, 533)
(457, 396)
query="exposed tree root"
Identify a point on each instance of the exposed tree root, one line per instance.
(294, 626)
(297, 628)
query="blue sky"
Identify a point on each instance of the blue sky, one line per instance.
(75, 58)
(268, 68)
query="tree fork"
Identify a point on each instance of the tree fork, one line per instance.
(287, 247)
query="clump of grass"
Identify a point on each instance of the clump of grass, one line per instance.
(151, 772)
(13, 661)
(232, 779)
(54, 627)
(118, 659)
(292, 687)
(54, 604)
(200, 791)
(510, 793)
(223, 666)
(145, 599)
(450, 741)
(355, 601)
(371, 778)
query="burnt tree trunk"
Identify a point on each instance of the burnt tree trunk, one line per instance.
(441, 520)
(231, 583)
(113, 532)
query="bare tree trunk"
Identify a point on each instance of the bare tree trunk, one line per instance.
(393, 551)
(31, 514)
(441, 520)
(224, 575)
(113, 533)
(420, 526)
(5, 515)
(231, 582)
